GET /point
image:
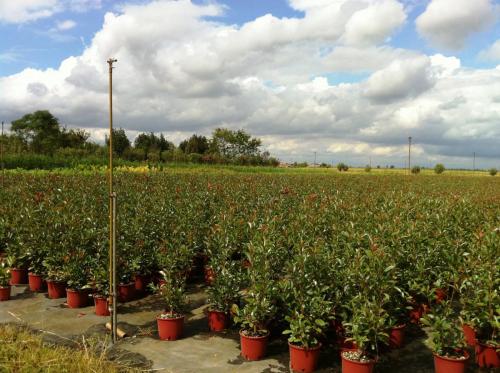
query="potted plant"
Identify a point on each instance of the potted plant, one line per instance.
(309, 311)
(55, 277)
(77, 280)
(306, 324)
(479, 299)
(397, 307)
(223, 293)
(141, 266)
(367, 329)
(36, 270)
(171, 321)
(18, 268)
(100, 283)
(126, 283)
(4, 281)
(259, 308)
(447, 339)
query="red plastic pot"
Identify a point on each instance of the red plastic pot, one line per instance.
(77, 298)
(470, 335)
(36, 283)
(440, 295)
(56, 289)
(217, 321)
(346, 345)
(4, 293)
(18, 276)
(126, 292)
(397, 336)
(353, 366)
(417, 312)
(303, 359)
(209, 275)
(170, 329)
(253, 348)
(101, 306)
(443, 364)
(487, 356)
(141, 283)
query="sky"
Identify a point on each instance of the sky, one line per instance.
(349, 80)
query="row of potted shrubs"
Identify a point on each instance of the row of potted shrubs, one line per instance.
(363, 259)
(248, 292)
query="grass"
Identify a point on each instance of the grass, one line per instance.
(179, 168)
(22, 351)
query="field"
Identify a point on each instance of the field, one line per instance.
(312, 256)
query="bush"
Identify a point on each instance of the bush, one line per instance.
(492, 171)
(342, 167)
(439, 168)
(415, 170)
(368, 168)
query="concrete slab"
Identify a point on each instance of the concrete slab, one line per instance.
(198, 351)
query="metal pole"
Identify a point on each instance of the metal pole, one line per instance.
(112, 212)
(114, 313)
(409, 155)
(474, 162)
(315, 158)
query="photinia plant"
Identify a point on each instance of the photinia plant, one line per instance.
(4, 274)
(447, 337)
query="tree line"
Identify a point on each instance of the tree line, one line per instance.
(41, 133)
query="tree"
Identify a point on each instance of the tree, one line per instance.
(149, 143)
(74, 138)
(415, 170)
(40, 130)
(342, 167)
(195, 144)
(439, 168)
(368, 168)
(493, 171)
(120, 141)
(233, 144)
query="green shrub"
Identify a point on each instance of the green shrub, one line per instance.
(439, 168)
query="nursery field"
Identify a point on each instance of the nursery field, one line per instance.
(312, 263)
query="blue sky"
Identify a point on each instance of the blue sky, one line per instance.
(345, 78)
(34, 44)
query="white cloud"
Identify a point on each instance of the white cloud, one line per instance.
(375, 23)
(179, 73)
(449, 23)
(399, 80)
(65, 25)
(21, 11)
(492, 53)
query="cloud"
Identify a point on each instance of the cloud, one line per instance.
(400, 80)
(181, 70)
(375, 23)
(492, 53)
(449, 23)
(65, 25)
(21, 11)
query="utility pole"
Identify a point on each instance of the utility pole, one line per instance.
(370, 161)
(474, 162)
(409, 155)
(315, 158)
(112, 215)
